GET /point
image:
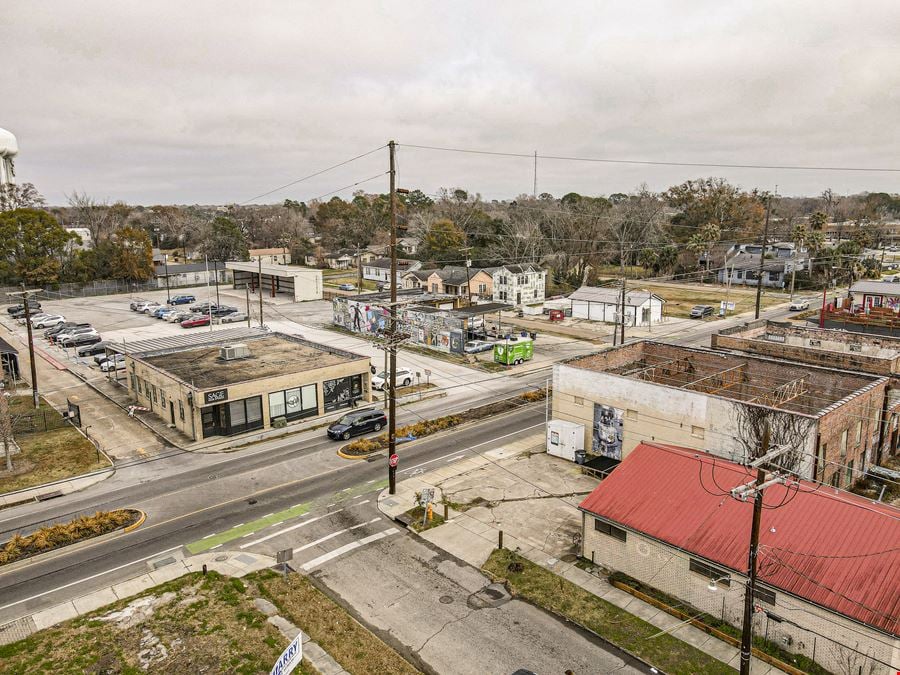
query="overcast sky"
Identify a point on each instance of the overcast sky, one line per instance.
(215, 102)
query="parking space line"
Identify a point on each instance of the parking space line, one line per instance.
(306, 567)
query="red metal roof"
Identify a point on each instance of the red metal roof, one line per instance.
(832, 548)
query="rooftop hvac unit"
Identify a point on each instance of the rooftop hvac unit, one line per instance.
(233, 352)
(565, 439)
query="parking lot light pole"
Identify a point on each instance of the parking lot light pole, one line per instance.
(392, 377)
(166, 265)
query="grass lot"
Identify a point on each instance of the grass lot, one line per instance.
(546, 589)
(348, 642)
(46, 455)
(679, 299)
(198, 625)
(203, 624)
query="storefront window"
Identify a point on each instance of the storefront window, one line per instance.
(295, 403)
(237, 413)
(341, 392)
(276, 404)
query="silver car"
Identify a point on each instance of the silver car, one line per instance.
(234, 317)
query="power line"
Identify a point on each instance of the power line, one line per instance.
(603, 160)
(313, 175)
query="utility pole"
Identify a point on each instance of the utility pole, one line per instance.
(247, 293)
(392, 408)
(466, 250)
(260, 288)
(622, 327)
(166, 265)
(762, 258)
(534, 187)
(6, 429)
(34, 384)
(358, 270)
(216, 273)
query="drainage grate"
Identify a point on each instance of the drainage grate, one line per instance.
(446, 599)
(221, 558)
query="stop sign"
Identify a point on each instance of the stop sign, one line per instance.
(394, 460)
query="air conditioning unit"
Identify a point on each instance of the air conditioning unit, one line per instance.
(233, 352)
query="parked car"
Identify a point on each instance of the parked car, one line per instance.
(347, 287)
(203, 307)
(19, 312)
(100, 358)
(165, 313)
(116, 362)
(48, 321)
(69, 332)
(356, 423)
(799, 305)
(69, 339)
(150, 307)
(34, 317)
(58, 328)
(83, 339)
(182, 300)
(92, 349)
(234, 317)
(135, 302)
(33, 305)
(224, 310)
(404, 378)
(701, 311)
(195, 320)
(179, 316)
(478, 346)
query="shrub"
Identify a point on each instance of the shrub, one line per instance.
(532, 396)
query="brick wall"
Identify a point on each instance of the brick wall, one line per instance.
(808, 629)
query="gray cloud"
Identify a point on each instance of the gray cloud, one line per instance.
(216, 102)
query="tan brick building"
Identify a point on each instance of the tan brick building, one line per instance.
(233, 381)
(718, 402)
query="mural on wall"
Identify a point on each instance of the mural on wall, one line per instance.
(358, 316)
(607, 431)
(430, 329)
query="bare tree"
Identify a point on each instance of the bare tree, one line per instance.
(786, 429)
(90, 214)
(24, 196)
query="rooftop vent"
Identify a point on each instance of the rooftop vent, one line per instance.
(234, 352)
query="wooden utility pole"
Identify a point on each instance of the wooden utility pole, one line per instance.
(622, 327)
(358, 270)
(392, 407)
(466, 250)
(6, 429)
(762, 258)
(534, 186)
(26, 294)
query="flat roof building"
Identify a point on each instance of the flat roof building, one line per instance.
(238, 380)
(290, 281)
(719, 402)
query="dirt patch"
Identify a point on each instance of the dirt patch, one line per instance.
(195, 624)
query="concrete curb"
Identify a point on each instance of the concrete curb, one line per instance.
(63, 485)
(84, 543)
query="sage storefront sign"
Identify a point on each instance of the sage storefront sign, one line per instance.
(215, 396)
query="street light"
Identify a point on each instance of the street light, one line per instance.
(712, 586)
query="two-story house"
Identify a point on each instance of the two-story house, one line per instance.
(519, 284)
(379, 270)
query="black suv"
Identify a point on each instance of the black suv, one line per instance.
(356, 423)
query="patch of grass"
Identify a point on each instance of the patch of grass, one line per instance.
(45, 455)
(227, 638)
(679, 300)
(346, 640)
(545, 589)
(417, 515)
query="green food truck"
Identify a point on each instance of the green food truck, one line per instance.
(514, 350)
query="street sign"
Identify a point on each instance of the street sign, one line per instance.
(427, 496)
(284, 555)
(290, 658)
(393, 461)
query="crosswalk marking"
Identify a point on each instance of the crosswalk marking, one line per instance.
(287, 529)
(315, 562)
(333, 535)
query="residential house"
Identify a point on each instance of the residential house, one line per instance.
(827, 583)
(271, 256)
(519, 284)
(379, 270)
(780, 261)
(604, 303)
(451, 280)
(719, 402)
(408, 245)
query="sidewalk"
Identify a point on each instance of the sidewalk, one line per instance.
(166, 567)
(474, 533)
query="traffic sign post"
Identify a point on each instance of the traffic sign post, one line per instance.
(393, 461)
(282, 557)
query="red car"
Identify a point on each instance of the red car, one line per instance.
(195, 321)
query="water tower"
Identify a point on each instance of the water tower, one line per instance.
(8, 150)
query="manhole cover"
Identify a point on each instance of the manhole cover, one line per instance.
(446, 599)
(211, 476)
(569, 558)
(221, 558)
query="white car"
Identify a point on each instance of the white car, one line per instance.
(48, 321)
(67, 339)
(117, 362)
(404, 378)
(799, 305)
(34, 317)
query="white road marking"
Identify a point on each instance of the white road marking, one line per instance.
(472, 447)
(93, 576)
(357, 497)
(210, 535)
(269, 514)
(280, 522)
(315, 562)
(285, 530)
(333, 535)
(453, 459)
(215, 547)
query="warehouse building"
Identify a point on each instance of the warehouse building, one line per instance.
(290, 282)
(719, 402)
(238, 380)
(604, 303)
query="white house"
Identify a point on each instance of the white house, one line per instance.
(780, 261)
(408, 245)
(271, 256)
(87, 241)
(379, 270)
(642, 308)
(519, 284)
